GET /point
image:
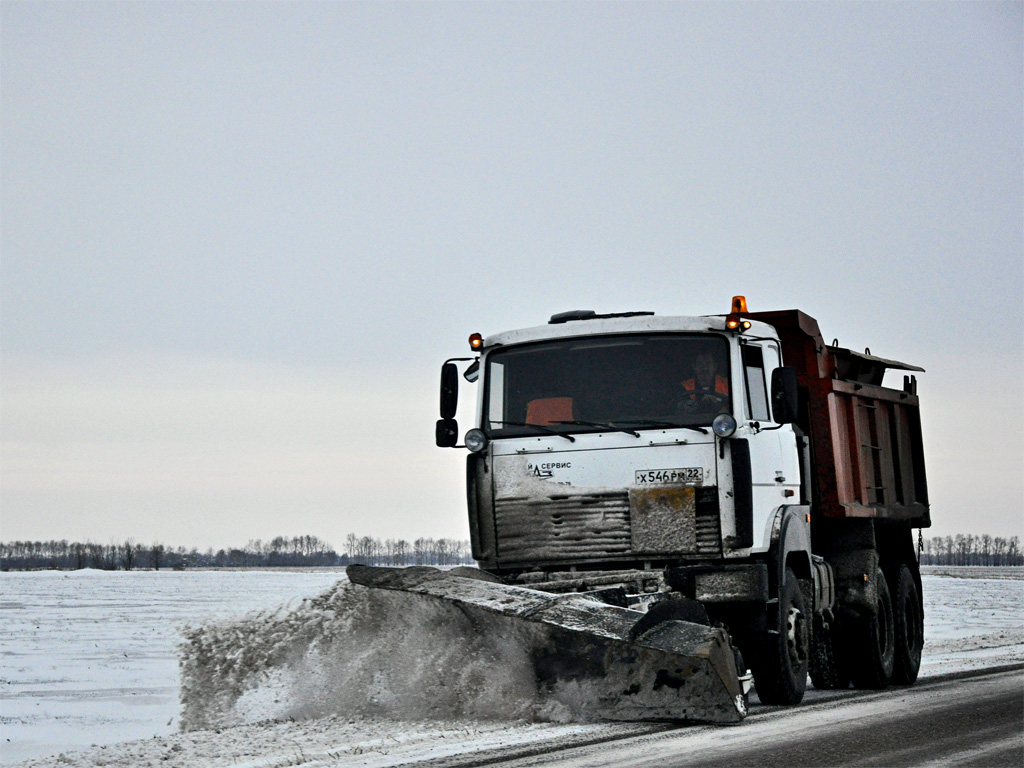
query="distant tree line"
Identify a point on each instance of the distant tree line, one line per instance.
(280, 552)
(401, 552)
(309, 551)
(966, 549)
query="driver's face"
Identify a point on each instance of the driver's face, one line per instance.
(704, 368)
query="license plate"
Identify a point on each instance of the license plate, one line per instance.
(678, 476)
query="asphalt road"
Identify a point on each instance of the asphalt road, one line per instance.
(970, 720)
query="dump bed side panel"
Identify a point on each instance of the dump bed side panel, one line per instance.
(876, 442)
(866, 446)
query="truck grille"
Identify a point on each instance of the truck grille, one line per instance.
(709, 526)
(587, 526)
(562, 526)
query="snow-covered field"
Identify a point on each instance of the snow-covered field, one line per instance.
(92, 658)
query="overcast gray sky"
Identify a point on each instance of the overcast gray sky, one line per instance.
(238, 239)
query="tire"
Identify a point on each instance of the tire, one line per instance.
(828, 663)
(908, 628)
(872, 650)
(678, 609)
(782, 658)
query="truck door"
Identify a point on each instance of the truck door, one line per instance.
(766, 465)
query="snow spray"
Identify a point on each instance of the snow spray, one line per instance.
(361, 653)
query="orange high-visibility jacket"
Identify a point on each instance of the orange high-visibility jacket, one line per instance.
(721, 385)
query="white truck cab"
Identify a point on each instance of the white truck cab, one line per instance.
(602, 443)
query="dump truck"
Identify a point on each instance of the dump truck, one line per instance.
(679, 504)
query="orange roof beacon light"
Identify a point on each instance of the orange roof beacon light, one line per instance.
(733, 321)
(476, 341)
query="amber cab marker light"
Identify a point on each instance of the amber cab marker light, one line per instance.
(739, 304)
(735, 323)
(475, 341)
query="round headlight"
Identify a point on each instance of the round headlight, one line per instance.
(723, 425)
(476, 440)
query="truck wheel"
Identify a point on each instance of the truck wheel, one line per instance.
(780, 664)
(678, 609)
(908, 628)
(827, 667)
(872, 648)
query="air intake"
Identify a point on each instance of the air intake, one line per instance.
(572, 314)
(589, 314)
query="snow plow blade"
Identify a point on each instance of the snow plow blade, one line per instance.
(676, 670)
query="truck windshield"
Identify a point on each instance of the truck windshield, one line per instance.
(595, 384)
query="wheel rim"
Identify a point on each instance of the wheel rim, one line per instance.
(796, 637)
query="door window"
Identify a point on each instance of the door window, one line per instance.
(757, 392)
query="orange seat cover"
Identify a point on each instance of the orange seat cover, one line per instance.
(549, 410)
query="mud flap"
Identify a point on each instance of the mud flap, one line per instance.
(676, 670)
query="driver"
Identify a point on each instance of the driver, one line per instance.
(708, 388)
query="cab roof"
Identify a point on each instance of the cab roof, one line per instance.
(588, 323)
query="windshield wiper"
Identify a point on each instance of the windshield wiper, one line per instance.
(666, 425)
(604, 424)
(546, 430)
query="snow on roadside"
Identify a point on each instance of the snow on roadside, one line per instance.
(330, 741)
(970, 622)
(90, 657)
(974, 617)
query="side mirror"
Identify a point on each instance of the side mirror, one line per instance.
(784, 395)
(449, 391)
(446, 433)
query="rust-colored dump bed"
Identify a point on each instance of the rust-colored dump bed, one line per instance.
(865, 439)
